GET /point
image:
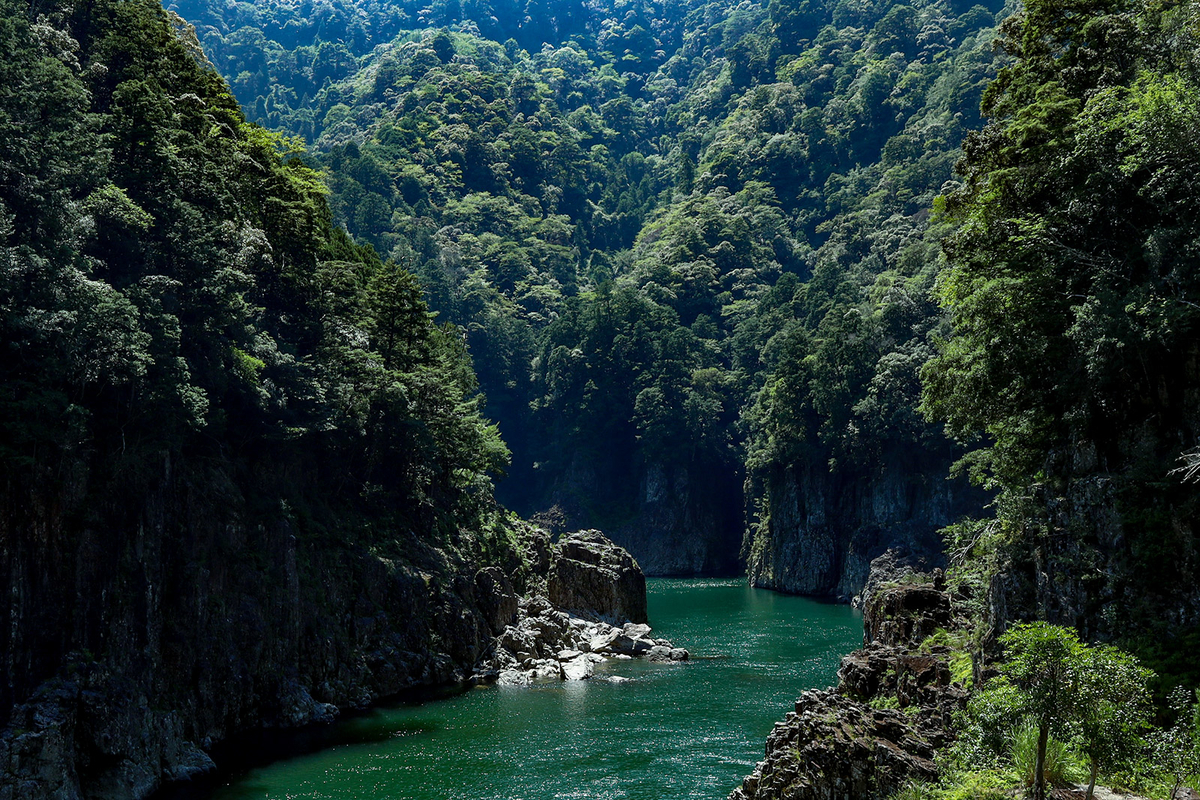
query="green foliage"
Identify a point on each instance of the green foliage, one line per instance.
(1073, 292)
(1039, 664)
(973, 549)
(960, 643)
(1061, 769)
(750, 207)
(1053, 690)
(974, 784)
(1176, 750)
(1113, 709)
(174, 282)
(915, 791)
(882, 702)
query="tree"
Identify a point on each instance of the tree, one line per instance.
(1112, 706)
(1176, 750)
(1042, 665)
(1094, 695)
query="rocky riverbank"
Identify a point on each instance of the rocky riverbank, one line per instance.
(320, 630)
(593, 609)
(883, 724)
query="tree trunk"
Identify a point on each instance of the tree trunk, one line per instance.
(1092, 784)
(1039, 766)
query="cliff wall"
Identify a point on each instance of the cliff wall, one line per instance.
(676, 519)
(144, 625)
(823, 529)
(1092, 555)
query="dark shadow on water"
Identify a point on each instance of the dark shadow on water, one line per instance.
(244, 752)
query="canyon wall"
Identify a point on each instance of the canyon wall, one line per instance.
(823, 529)
(144, 625)
(676, 519)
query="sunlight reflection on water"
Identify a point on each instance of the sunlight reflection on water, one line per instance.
(674, 731)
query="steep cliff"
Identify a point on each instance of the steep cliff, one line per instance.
(144, 630)
(1079, 382)
(1090, 554)
(676, 519)
(823, 528)
(243, 477)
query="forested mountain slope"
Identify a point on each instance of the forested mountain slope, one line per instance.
(1074, 287)
(711, 232)
(239, 464)
(690, 245)
(1071, 364)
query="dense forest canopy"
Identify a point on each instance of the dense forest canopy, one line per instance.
(705, 241)
(683, 239)
(684, 244)
(173, 283)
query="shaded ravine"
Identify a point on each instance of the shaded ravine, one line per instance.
(674, 731)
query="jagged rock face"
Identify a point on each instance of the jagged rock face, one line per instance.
(497, 598)
(688, 522)
(894, 616)
(591, 576)
(141, 630)
(824, 529)
(831, 747)
(914, 679)
(1079, 563)
(835, 745)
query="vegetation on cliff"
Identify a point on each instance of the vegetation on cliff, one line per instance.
(173, 280)
(1073, 292)
(689, 242)
(1057, 714)
(244, 476)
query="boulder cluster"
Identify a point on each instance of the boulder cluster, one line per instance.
(591, 607)
(548, 643)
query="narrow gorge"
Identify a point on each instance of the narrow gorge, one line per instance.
(538, 398)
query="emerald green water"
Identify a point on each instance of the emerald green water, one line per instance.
(689, 730)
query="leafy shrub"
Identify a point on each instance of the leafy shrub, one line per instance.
(1061, 767)
(977, 785)
(916, 790)
(884, 702)
(962, 668)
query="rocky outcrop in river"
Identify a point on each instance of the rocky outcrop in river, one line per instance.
(594, 577)
(883, 724)
(595, 610)
(546, 643)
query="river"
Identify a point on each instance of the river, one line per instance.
(674, 731)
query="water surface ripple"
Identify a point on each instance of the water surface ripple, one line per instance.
(674, 731)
